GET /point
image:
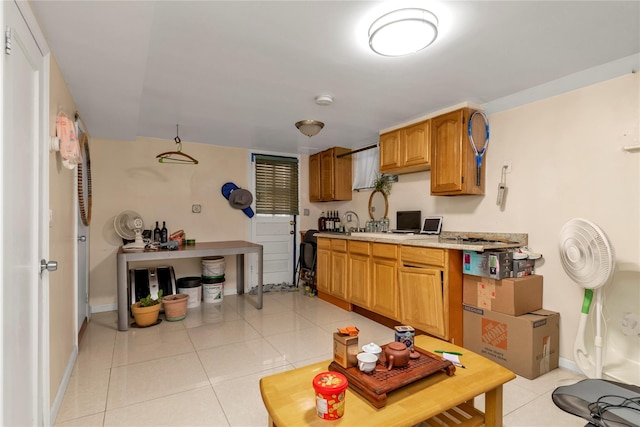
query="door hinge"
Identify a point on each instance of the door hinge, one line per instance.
(7, 41)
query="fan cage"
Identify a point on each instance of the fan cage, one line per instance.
(586, 254)
(124, 224)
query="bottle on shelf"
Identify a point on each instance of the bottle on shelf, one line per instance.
(330, 221)
(322, 226)
(337, 224)
(156, 233)
(164, 233)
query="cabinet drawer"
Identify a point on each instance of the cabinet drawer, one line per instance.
(422, 256)
(339, 245)
(361, 248)
(384, 250)
(324, 243)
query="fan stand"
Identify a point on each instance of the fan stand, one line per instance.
(138, 243)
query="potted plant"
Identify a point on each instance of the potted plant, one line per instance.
(382, 183)
(175, 307)
(146, 311)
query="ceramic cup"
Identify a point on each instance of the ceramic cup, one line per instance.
(367, 362)
(372, 348)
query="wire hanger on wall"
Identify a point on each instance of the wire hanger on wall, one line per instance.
(176, 157)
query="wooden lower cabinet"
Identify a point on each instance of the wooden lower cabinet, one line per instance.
(384, 272)
(411, 285)
(422, 300)
(359, 274)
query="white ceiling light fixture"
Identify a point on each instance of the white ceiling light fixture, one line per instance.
(403, 31)
(309, 127)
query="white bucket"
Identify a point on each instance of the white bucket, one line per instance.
(213, 267)
(192, 287)
(213, 292)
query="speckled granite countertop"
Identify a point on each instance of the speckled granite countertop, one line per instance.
(460, 240)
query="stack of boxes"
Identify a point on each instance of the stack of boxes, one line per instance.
(503, 316)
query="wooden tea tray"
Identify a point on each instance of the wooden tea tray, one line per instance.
(375, 385)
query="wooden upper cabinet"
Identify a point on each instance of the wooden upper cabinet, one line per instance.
(406, 150)
(453, 165)
(330, 176)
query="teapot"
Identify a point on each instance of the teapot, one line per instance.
(396, 354)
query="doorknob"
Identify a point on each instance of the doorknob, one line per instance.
(82, 238)
(290, 231)
(48, 265)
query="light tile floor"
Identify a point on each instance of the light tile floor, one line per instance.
(204, 370)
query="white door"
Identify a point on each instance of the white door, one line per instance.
(82, 281)
(275, 233)
(25, 240)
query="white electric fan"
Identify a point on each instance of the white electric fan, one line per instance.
(129, 226)
(589, 259)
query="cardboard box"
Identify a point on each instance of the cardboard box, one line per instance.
(514, 296)
(523, 267)
(493, 264)
(527, 345)
(345, 350)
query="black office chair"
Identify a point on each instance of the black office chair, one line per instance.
(306, 267)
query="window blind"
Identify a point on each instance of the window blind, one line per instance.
(276, 185)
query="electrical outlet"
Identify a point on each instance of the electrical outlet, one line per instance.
(507, 166)
(196, 208)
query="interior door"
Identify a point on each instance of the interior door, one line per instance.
(25, 240)
(82, 281)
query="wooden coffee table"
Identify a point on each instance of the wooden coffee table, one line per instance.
(289, 396)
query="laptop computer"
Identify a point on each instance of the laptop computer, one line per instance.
(408, 222)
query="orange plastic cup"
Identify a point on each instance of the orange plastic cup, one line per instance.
(330, 390)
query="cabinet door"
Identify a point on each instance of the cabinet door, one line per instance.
(327, 173)
(390, 151)
(453, 165)
(338, 283)
(446, 143)
(384, 290)
(421, 300)
(314, 178)
(323, 270)
(416, 147)
(358, 284)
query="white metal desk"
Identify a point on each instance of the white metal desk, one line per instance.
(199, 250)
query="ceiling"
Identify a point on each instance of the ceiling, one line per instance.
(241, 73)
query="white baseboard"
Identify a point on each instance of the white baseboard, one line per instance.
(102, 308)
(57, 402)
(569, 365)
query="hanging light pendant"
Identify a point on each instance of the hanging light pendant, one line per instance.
(309, 127)
(403, 31)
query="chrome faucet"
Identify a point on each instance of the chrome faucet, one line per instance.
(347, 218)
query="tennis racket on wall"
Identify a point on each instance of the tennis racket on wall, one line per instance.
(478, 131)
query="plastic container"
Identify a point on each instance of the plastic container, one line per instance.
(330, 388)
(191, 286)
(213, 267)
(213, 289)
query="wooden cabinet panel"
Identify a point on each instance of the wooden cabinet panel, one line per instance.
(330, 175)
(384, 292)
(323, 265)
(406, 150)
(338, 285)
(390, 151)
(314, 178)
(359, 285)
(417, 256)
(384, 250)
(452, 159)
(422, 300)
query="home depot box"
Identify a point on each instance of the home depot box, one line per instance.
(493, 264)
(514, 296)
(527, 344)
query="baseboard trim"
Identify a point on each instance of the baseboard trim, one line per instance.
(57, 402)
(103, 308)
(569, 365)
